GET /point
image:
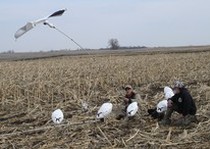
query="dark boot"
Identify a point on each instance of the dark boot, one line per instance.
(120, 116)
(189, 119)
(180, 122)
(161, 116)
(167, 117)
(151, 111)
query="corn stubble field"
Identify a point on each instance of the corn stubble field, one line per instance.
(30, 90)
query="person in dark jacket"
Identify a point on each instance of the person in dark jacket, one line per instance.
(130, 96)
(183, 103)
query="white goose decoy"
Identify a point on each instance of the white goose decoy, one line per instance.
(32, 24)
(162, 106)
(104, 111)
(168, 92)
(132, 109)
(57, 116)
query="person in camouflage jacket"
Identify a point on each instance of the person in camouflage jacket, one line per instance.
(130, 96)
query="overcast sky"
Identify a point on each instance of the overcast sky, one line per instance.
(93, 22)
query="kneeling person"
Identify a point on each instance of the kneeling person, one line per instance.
(182, 103)
(131, 96)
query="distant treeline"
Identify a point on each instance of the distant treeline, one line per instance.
(8, 52)
(125, 47)
(119, 48)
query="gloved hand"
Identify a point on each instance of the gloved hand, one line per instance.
(170, 103)
(126, 101)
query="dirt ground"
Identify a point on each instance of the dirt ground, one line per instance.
(30, 90)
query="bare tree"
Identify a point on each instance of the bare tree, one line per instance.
(113, 44)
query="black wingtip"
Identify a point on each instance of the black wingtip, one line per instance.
(57, 13)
